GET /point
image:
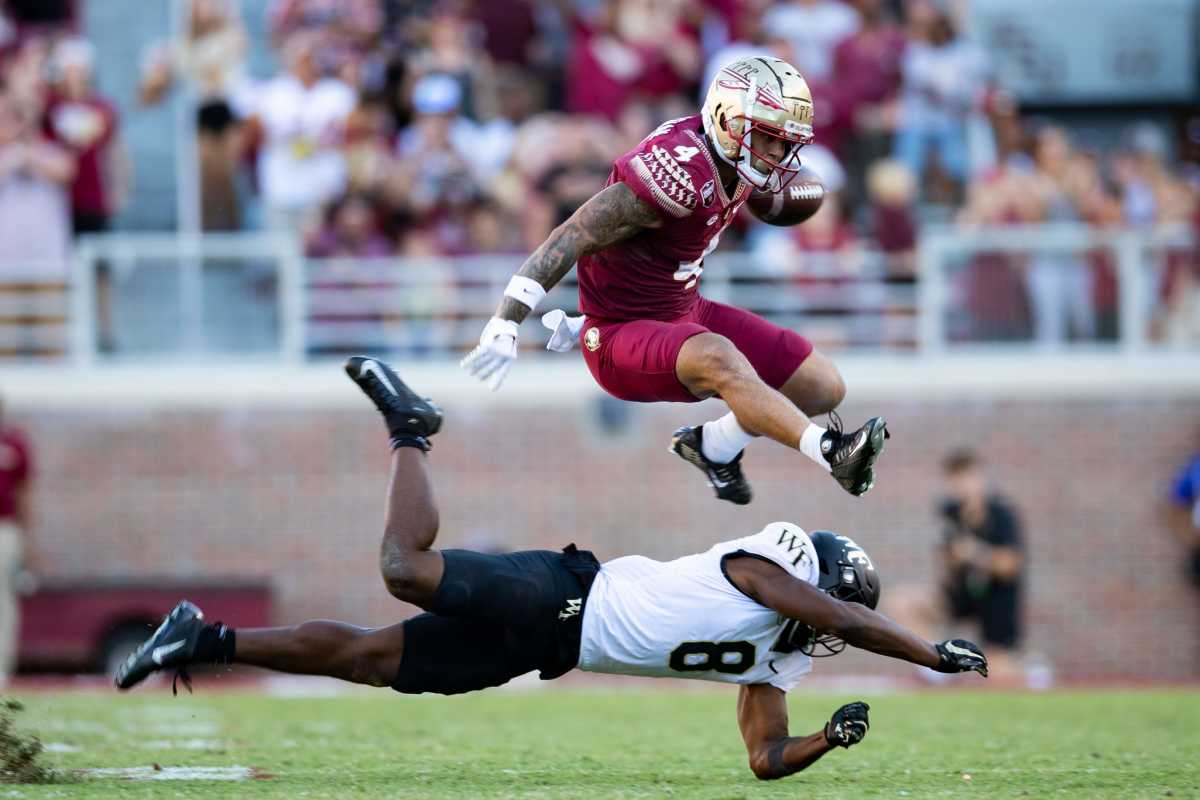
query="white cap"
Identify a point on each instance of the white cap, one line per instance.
(74, 53)
(436, 94)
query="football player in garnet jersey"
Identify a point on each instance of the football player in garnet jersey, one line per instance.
(752, 611)
(649, 335)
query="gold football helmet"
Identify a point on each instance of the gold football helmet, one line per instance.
(767, 95)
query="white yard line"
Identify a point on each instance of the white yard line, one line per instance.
(302, 686)
(171, 773)
(182, 744)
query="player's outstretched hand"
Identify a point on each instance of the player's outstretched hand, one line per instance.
(494, 356)
(959, 655)
(848, 725)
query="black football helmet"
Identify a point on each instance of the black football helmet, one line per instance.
(846, 572)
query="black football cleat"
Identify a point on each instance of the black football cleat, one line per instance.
(851, 456)
(411, 419)
(726, 480)
(170, 647)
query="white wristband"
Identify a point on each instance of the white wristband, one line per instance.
(524, 290)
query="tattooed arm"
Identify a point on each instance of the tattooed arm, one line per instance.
(613, 214)
(610, 216)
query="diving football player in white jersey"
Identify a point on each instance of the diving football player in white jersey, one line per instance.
(752, 611)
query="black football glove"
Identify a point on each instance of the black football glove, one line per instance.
(959, 655)
(848, 725)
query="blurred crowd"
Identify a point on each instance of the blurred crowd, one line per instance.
(61, 169)
(1042, 176)
(458, 127)
(474, 127)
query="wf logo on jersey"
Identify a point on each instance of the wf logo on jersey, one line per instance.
(574, 606)
(790, 542)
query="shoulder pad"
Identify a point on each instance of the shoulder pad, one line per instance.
(666, 179)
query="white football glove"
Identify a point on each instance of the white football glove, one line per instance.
(494, 356)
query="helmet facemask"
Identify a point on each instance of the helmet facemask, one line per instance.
(849, 591)
(741, 129)
(847, 574)
(781, 172)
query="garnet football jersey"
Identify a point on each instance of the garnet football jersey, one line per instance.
(685, 619)
(653, 275)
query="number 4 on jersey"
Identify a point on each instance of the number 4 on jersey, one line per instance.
(685, 154)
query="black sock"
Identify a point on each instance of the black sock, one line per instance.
(215, 645)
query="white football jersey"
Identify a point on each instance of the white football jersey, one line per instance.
(685, 619)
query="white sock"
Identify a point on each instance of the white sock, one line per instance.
(810, 444)
(723, 439)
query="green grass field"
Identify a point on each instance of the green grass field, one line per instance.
(639, 743)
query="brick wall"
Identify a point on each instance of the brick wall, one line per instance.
(297, 495)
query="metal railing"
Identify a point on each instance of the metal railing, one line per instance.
(34, 314)
(1135, 260)
(224, 295)
(272, 262)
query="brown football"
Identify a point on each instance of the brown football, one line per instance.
(798, 201)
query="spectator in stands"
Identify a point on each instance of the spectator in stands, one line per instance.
(344, 31)
(491, 232)
(1178, 318)
(1058, 284)
(892, 193)
(992, 289)
(866, 76)
(1154, 195)
(574, 166)
(981, 565)
(212, 58)
(25, 76)
(435, 180)
(943, 83)
(827, 246)
(17, 549)
(351, 230)
(83, 122)
(301, 114)
(369, 146)
(813, 29)
(518, 97)
(1098, 206)
(450, 50)
(437, 100)
(754, 39)
(510, 30)
(1184, 517)
(35, 181)
(628, 49)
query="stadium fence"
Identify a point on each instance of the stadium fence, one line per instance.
(1058, 287)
